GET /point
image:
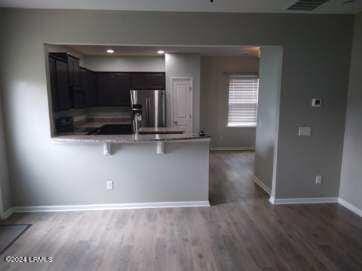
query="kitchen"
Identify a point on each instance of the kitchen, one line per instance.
(107, 102)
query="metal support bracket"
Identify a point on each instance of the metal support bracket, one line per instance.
(160, 147)
(107, 149)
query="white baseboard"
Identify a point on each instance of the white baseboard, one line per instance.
(7, 213)
(262, 185)
(276, 201)
(231, 149)
(100, 207)
(350, 206)
(147, 205)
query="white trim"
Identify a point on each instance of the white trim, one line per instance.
(262, 185)
(232, 149)
(350, 206)
(115, 206)
(276, 201)
(7, 213)
(272, 200)
(245, 125)
(180, 204)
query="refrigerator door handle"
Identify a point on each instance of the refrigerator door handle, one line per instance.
(148, 111)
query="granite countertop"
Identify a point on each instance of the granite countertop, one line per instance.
(151, 134)
(130, 139)
(161, 130)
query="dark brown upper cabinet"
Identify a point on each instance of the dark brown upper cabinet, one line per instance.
(80, 91)
(58, 72)
(148, 80)
(91, 88)
(77, 87)
(113, 88)
(73, 67)
(74, 71)
(69, 81)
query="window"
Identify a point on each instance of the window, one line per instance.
(243, 100)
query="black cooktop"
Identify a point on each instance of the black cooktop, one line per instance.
(113, 129)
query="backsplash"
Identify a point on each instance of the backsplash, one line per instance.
(91, 116)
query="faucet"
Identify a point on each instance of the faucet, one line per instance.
(137, 117)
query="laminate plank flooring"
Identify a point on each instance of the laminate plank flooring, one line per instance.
(241, 231)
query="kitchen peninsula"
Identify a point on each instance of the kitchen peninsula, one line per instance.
(93, 121)
(148, 170)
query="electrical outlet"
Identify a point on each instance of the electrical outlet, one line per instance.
(318, 179)
(109, 185)
(316, 102)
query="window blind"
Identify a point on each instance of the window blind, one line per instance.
(243, 100)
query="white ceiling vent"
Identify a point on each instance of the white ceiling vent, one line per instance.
(307, 5)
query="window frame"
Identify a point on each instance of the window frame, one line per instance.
(227, 83)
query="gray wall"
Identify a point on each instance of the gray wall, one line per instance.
(351, 177)
(213, 106)
(182, 175)
(316, 62)
(184, 65)
(5, 193)
(270, 73)
(125, 63)
(320, 72)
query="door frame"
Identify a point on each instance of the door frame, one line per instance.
(2, 210)
(192, 98)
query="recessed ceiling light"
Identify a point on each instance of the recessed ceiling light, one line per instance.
(160, 52)
(110, 51)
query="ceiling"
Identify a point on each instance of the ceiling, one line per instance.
(100, 50)
(243, 6)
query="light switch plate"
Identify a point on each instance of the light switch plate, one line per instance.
(109, 185)
(304, 131)
(318, 179)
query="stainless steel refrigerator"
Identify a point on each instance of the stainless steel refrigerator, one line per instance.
(153, 104)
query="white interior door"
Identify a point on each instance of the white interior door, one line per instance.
(182, 91)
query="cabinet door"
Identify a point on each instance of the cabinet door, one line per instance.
(113, 89)
(61, 86)
(53, 85)
(79, 92)
(148, 80)
(91, 93)
(138, 81)
(156, 80)
(74, 71)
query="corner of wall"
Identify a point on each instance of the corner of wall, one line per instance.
(350, 188)
(5, 189)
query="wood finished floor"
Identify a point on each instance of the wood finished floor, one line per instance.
(241, 231)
